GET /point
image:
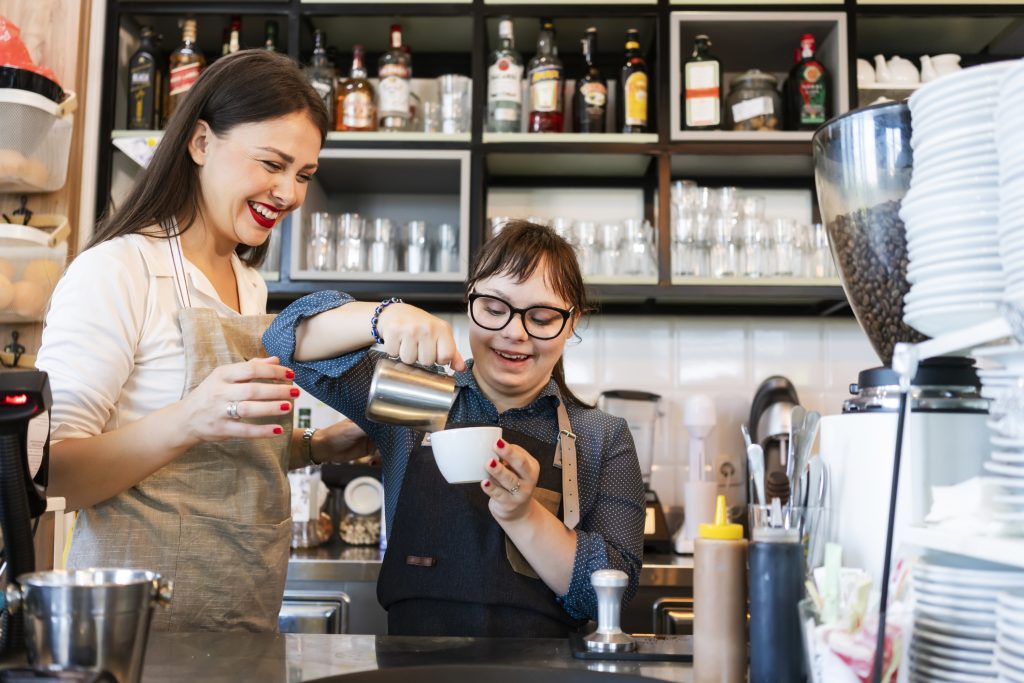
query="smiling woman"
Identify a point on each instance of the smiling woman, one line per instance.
(512, 555)
(171, 428)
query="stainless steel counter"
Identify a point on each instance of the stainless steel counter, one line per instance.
(338, 562)
(269, 658)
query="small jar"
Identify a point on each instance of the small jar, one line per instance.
(754, 102)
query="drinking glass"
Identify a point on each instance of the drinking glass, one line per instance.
(417, 251)
(456, 96)
(350, 243)
(446, 260)
(784, 242)
(609, 241)
(638, 247)
(724, 249)
(380, 257)
(320, 246)
(586, 246)
(563, 228)
(431, 117)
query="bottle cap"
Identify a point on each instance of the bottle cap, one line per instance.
(721, 530)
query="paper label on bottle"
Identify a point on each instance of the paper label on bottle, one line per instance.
(504, 81)
(636, 99)
(748, 109)
(649, 522)
(394, 96)
(357, 110)
(595, 95)
(703, 98)
(303, 487)
(546, 89)
(813, 96)
(184, 77)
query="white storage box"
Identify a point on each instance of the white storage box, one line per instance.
(32, 259)
(35, 141)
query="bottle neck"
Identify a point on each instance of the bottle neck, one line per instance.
(700, 50)
(396, 40)
(546, 44)
(358, 70)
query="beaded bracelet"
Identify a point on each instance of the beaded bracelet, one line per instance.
(376, 316)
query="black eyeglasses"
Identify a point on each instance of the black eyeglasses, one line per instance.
(540, 322)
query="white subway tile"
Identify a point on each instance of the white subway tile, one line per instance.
(847, 352)
(711, 352)
(637, 352)
(792, 348)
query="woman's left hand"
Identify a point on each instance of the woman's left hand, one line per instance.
(513, 476)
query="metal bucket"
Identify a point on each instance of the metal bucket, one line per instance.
(410, 395)
(89, 619)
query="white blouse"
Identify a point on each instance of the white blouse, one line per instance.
(112, 344)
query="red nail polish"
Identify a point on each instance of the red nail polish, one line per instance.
(294, 392)
(278, 430)
(487, 484)
(501, 443)
(289, 374)
(492, 463)
(286, 406)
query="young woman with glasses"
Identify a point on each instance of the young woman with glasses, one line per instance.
(513, 555)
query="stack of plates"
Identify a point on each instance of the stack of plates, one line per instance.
(1010, 637)
(951, 211)
(954, 636)
(1002, 380)
(1010, 143)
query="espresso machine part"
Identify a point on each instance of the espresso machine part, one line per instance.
(642, 411)
(700, 491)
(24, 463)
(771, 424)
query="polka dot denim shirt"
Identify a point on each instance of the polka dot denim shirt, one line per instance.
(610, 532)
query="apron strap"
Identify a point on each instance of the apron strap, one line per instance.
(565, 457)
(178, 261)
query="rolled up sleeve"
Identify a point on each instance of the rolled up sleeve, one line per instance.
(610, 536)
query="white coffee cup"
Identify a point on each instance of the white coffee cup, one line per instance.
(462, 454)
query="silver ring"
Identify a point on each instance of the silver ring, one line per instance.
(233, 410)
(515, 489)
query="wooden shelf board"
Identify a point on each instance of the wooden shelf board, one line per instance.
(377, 136)
(541, 139)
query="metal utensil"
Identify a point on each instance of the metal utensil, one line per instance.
(796, 423)
(755, 465)
(746, 435)
(805, 439)
(414, 396)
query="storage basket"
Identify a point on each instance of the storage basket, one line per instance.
(35, 141)
(32, 259)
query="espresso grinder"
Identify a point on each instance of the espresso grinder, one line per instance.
(24, 463)
(642, 410)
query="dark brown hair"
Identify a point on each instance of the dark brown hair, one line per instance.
(245, 87)
(517, 251)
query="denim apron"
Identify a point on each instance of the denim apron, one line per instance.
(450, 570)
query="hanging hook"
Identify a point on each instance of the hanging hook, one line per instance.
(15, 349)
(23, 210)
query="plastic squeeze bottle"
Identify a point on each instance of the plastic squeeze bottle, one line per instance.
(776, 587)
(720, 601)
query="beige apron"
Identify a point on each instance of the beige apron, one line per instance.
(216, 520)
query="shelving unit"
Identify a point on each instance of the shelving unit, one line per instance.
(457, 37)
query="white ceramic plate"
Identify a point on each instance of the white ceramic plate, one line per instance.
(1012, 600)
(957, 285)
(1014, 647)
(983, 647)
(977, 81)
(940, 320)
(965, 617)
(1010, 617)
(941, 675)
(917, 300)
(959, 654)
(955, 602)
(953, 629)
(1008, 675)
(967, 572)
(919, 262)
(978, 265)
(946, 663)
(1003, 469)
(1011, 660)
(1009, 457)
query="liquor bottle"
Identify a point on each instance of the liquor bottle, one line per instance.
(145, 84)
(356, 108)
(394, 69)
(270, 39)
(320, 72)
(807, 90)
(634, 86)
(702, 97)
(505, 83)
(235, 37)
(546, 78)
(591, 98)
(305, 418)
(186, 63)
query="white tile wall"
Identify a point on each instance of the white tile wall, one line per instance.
(723, 357)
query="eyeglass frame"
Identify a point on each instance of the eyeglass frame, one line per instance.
(566, 314)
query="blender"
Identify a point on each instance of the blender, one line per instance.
(642, 411)
(863, 164)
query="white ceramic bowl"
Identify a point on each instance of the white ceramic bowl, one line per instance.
(462, 454)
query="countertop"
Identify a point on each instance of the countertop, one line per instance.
(273, 658)
(339, 562)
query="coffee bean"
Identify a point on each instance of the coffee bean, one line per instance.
(870, 248)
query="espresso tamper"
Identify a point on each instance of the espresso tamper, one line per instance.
(609, 637)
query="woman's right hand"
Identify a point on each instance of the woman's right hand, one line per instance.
(260, 387)
(415, 336)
